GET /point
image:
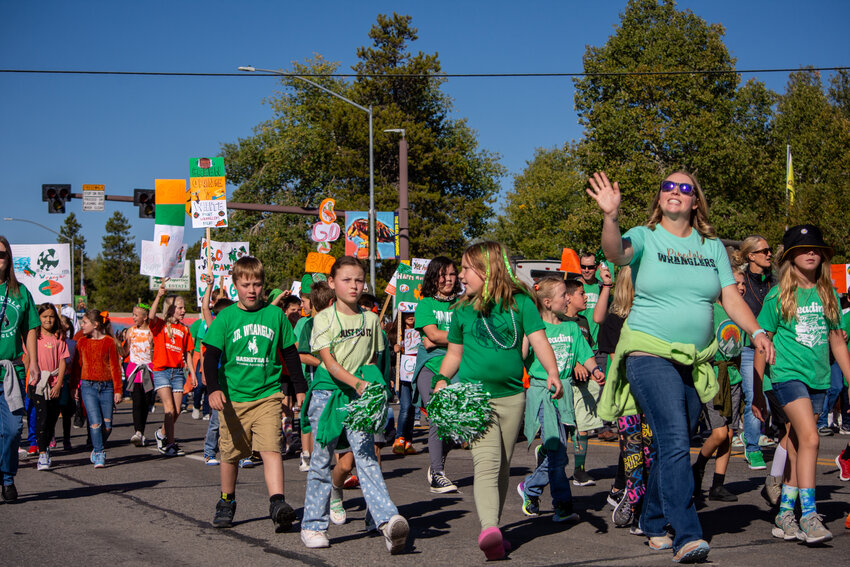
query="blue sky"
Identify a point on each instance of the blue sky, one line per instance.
(124, 132)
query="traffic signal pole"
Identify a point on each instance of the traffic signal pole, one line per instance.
(233, 205)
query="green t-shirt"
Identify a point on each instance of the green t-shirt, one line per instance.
(250, 342)
(354, 340)
(21, 316)
(302, 339)
(570, 348)
(432, 311)
(729, 341)
(498, 368)
(198, 330)
(677, 280)
(591, 291)
(802, 346)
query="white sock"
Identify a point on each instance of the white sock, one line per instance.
(778, 466)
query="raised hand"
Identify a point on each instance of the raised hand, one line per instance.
(606, 194)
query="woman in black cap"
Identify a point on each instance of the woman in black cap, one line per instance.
(803, 316)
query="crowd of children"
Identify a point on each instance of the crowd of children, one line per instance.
(278, 375)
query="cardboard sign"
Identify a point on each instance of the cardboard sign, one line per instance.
(45, 270)
(208, 214)
(206, 201)
(318, 263)
(162, 258)
(357, 235)
(223, 255)
(223, 281)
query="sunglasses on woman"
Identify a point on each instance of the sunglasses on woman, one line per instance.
(684, 188)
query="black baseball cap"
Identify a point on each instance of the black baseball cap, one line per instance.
(804, 236)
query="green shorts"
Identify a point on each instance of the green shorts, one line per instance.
(585, 397)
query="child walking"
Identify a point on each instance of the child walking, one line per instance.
(243, 370)
(803, 315)
(549, 416)
(44, 391)
(139, 348)
(347, 339)
(98, 372)
(485, 347)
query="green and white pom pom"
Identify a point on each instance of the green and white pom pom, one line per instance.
(460, 412)
(368, 413)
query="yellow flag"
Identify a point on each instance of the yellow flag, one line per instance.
(789, 181)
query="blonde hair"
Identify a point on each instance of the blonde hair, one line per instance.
(699, 218)
(624, 293)
(748, 246)
(788, 292)
(490, 260)
(545, 289)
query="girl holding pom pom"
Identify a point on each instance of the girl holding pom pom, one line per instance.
(346, 339)
(485, 347)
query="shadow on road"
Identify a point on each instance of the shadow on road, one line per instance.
(86, 491)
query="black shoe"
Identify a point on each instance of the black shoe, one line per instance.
(721, 494)
(10, 493)
(581, 478)
(282, 515)
(224, 513)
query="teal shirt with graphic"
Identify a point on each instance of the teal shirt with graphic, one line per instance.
(498, 368)
(432, 311)
(729, 341)
(303, 329)
(570, 348)
(802, 345)
(677, 280)
(21, 316)
(250, 342)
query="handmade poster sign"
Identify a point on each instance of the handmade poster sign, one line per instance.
(222, 254)
(164, 255)
(318, 263)
(181, 283)
(224, 282)
(840, 277)
(207, 201)
(45, 270)
(357, 235)
(162, 260)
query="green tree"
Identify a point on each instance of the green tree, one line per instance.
(71, 230)
(316, 146)
(117, 282)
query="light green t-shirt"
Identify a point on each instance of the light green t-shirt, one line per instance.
(591, 292)
(21, 316)
(302, 339)
(431, 311)
(250, 342)
(354, 340)
(498, 368)
(198, 330)
(677, 280)
(570, 348)
(802, 345)
(729, 341)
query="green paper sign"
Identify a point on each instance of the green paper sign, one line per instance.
(206, 167)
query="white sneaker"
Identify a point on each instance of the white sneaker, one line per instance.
(305, 462)
(196, 413)
(314, 540)
(395, 533)
(337, 510)
(43, 461)
(136, 439)
(207, 417)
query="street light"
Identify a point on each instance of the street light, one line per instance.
(403, 201)
(60, 236)
(372, 245)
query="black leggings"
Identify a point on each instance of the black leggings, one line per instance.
(46, 416)
(140, 408)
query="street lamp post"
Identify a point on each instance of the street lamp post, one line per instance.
(403, 199)
(60, 236)
(372, 244)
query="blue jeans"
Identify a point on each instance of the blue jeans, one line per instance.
(317, 500)
(552, 470)
(32, 417)
(199, 394)
(752, 426)
(666, 394)
(211, 440)
(99, 398)
(11, 425)
(405, 410)
(173, 378)
(836, 385)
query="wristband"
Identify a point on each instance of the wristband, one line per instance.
(758, 332)
(607, 285)
(599, 368)
(436, 378)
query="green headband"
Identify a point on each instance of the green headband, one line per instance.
(144, 306)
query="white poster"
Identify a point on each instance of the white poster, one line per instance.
(182, 283)
(162, 260)
(406, 368)
(221, 281)
(224, 255)
(45, 270)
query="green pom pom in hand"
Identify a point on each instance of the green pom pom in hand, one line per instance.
(460, 412)
(368, 413)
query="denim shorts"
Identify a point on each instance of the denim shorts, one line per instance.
(173, 378)
(787, 392)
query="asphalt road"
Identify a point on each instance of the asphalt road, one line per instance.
(145, 509)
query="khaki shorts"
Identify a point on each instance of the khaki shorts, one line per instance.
(250, 426)
(585, 397)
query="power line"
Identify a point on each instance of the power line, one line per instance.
(424, 75)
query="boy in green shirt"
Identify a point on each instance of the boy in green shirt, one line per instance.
(250, 339)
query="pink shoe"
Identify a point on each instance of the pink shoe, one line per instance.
(492, 544)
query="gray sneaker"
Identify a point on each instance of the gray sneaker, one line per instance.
(786, 526)
(812, 529)
(772, 489)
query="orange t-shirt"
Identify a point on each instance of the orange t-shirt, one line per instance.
(170, 352)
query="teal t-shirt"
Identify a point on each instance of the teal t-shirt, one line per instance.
(198, 330)
(802, 345)
(591, 292)
(730, 343)
(302, 340)
(492, 345)
(21, 316)
(677, 280)
(432, 311)
(570, 348)
(250, 342)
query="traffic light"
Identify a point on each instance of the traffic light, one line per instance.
(144, 199)
(56, 197)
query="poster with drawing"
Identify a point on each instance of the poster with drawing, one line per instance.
(223, 254)
(357, 235)
(222, 281)
(45, 270)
